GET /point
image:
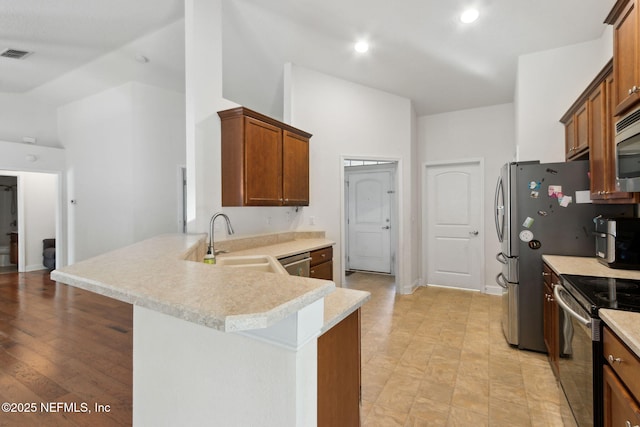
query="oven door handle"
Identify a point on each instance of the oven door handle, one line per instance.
(556, 293)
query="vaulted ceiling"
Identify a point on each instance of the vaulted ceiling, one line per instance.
(418, 48)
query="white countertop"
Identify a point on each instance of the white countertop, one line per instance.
(586, 266)
(155, 274)
(625, 324)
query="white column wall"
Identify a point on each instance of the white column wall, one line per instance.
(124, 147)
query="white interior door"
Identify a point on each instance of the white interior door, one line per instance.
(369, 221)
(453, 217)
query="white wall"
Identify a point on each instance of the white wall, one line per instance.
(124, 148)
(352, 121)
(548, 83)
(34, 113)
(486, 133)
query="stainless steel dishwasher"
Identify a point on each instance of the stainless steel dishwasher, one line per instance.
(297, 265)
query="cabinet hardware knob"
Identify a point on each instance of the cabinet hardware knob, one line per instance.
(544, 274)
(628, 424)
(324, 255)
(614, 359)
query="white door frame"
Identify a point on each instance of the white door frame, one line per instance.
(391, 168)
(425, 239)
(396, 207)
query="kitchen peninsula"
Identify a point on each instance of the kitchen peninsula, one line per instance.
(215, 344)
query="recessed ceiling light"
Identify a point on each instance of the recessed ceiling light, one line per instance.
(361, 46)
(469, 15)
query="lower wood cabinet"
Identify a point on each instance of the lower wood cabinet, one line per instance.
(621, 379)
(620, 407)
(339, 375)
(322, 264)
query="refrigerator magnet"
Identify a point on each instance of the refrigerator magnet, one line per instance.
(528, 222)
(555, 191)
(534, 185)
(565, 201)
(526, 235)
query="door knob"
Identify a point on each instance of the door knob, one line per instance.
(386, 227)
(474, 233)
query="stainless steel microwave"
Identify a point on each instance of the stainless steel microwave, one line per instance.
(627, 140)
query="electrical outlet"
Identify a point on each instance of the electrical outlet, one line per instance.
(312, 220)
(268, 220)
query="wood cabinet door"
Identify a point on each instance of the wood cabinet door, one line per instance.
(625, 58)
(569, 137)
(295, 169)
(620, 407)
(598, 143)
(339, 374)
(263, 163)
(582, 128)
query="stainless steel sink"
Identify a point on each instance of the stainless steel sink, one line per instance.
(262, 263)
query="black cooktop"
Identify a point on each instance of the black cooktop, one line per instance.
(605, 292)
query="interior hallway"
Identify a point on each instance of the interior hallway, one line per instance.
(438, 358)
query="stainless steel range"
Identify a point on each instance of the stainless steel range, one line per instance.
(580, 298)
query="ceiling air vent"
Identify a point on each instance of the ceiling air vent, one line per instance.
(15, 53)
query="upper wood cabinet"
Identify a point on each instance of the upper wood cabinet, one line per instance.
(264, 162)
(591, 117)
(576, 128)
(626, 54)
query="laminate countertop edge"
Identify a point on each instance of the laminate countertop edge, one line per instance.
(624, 323)
(154, 274)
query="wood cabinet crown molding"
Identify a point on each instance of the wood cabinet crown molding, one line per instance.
(615, 12)
(244, 111)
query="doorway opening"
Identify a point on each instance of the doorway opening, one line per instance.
(8, 224)
(370, 215)
(29, 201)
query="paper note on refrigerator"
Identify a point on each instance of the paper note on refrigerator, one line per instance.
(583, 196)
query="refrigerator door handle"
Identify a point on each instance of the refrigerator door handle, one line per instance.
(501, 281)
(501, 258)
(499, 210)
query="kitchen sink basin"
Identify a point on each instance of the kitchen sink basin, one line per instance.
(263, 263)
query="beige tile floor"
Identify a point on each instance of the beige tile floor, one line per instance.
(438, 358)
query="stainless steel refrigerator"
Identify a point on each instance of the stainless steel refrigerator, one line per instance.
(540, 209)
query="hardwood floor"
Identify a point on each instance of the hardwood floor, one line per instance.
(61, 345)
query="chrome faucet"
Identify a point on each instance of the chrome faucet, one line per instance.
(212, 250)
